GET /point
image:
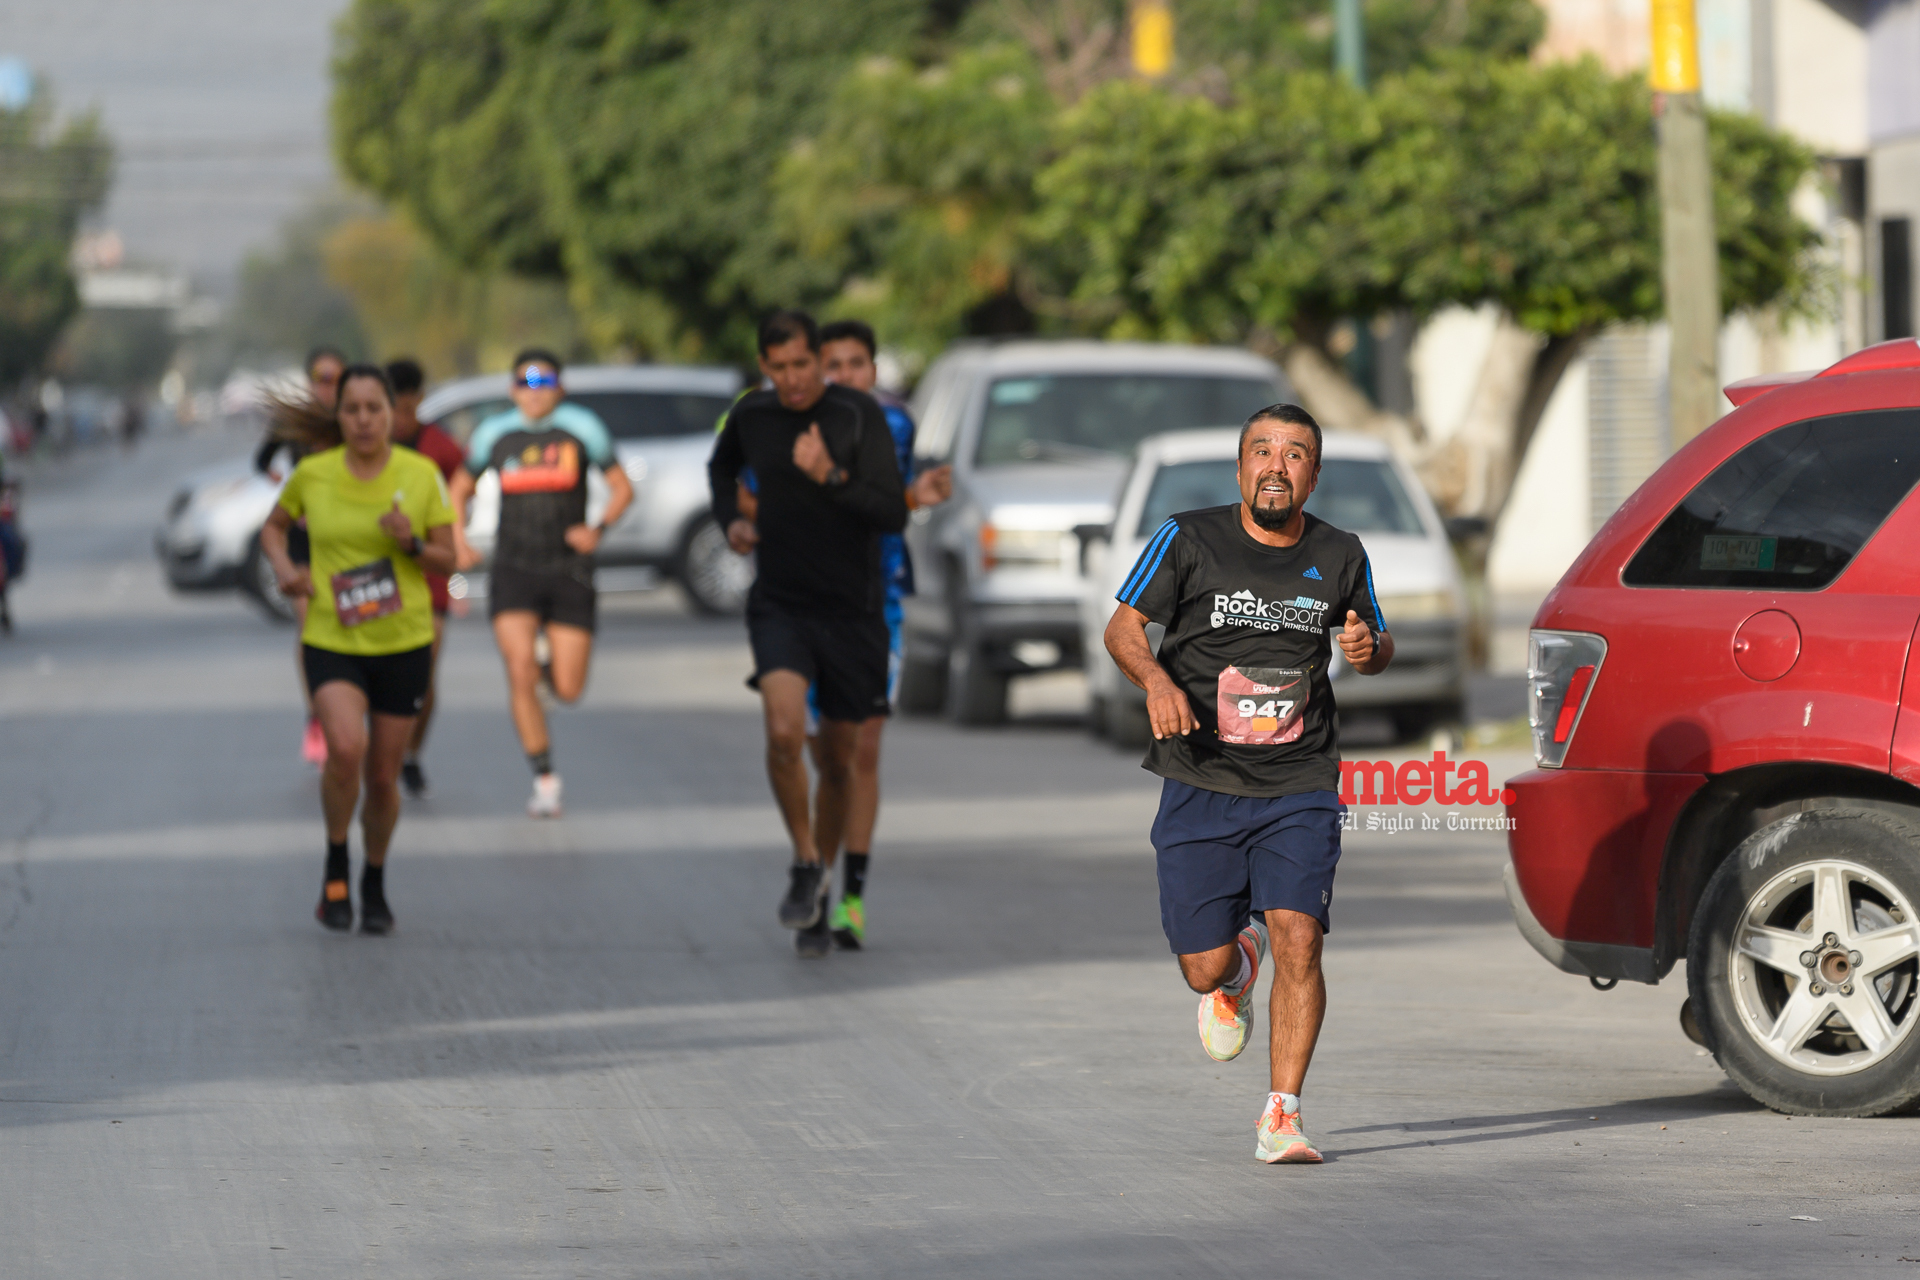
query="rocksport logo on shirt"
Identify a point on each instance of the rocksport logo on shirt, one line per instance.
(1244, 609)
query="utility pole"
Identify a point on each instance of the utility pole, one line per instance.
(1350, 42)
(1689, 251)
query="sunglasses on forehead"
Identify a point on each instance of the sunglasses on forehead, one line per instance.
(536, 377)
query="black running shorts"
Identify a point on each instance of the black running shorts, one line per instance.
(844, 658)
(557, 596)
(395, 683)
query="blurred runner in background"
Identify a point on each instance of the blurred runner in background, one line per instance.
(542, 576)
(324, 366)
(377, 519)
(827, 488)
(409, 383)
(848, 349)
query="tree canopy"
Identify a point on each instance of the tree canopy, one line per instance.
(50, 174)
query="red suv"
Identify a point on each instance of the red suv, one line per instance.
(1725, 701)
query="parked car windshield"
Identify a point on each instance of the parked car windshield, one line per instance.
(1790, 510)
(629, 415)
(1077, 416)
(1360, 495)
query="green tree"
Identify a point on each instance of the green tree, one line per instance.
(50, 174)
(623, 147)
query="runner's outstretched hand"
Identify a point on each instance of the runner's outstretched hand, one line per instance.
(1356, 640)
(742, 537)
(932, 487)
(295, 586)
(1168, 709)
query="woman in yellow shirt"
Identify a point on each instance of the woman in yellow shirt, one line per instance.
(377, 517)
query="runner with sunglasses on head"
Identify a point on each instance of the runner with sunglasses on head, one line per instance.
(276, 457)
(378, 520)
(409, 382)
(848, 349)
(542, 575)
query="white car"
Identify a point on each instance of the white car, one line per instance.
(1363, 489)
(662, 418)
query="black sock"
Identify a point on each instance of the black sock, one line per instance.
(336, 860)
(373, 882)
(542, 762)
(856, 874)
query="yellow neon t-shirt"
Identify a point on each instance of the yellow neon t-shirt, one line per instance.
(357, 567)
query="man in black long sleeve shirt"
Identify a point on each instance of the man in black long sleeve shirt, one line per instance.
(829, 487)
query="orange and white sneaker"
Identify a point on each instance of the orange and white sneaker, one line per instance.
(1226, 1019)
(1280, 1138)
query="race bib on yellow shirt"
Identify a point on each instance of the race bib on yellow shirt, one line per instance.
(1261, 706)
(364, 593)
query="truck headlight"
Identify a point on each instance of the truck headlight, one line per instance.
(1020, 548)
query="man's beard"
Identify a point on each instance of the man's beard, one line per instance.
(1271, 517)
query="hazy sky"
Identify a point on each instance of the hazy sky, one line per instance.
(217, 109)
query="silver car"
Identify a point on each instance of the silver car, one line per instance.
(1039, 434)
(662, 419)
(1363, 489)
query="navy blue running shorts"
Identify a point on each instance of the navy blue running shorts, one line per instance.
(1221, 858)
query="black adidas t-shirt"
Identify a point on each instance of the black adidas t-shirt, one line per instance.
(1247, 639)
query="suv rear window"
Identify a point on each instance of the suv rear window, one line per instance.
(1789, 511)
(629, 415)
(1065, 417)
(1359, 495)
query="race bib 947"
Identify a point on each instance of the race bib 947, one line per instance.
(1261, 706)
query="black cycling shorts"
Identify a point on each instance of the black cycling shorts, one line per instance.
(557, 596)
(844, 658)
(299, 547)
(395, 683)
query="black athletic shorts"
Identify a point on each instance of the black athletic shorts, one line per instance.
(844, 658)
(299, 548)
(395, 683)
(559, 596)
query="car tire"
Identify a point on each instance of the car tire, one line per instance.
(1776, 1001)
(714, 576)
(1096, 715)
(258, 581)
(1415, 721)
(923, 686)
(976, 694)
(1128, 724)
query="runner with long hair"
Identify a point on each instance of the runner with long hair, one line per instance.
(378, 521)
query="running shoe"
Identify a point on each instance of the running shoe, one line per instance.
(1226, 1019)
(814, 941)
(849, 922)
(805, 902)
(313, 747)
(1280, 1138)
(414, 778)
(376, 917)
(545, 801)
(335, 910)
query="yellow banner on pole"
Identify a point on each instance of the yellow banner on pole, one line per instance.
(1676, 48)
(1152, 38)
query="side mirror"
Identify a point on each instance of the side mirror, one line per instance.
(1466, 528)
(1088, 534)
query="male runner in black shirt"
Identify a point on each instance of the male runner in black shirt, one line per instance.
(828, 488)
(1246, 736)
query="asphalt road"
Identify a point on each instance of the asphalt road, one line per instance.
(590, 1051)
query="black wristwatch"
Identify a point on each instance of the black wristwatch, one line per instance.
(415, 546)
(836, 478)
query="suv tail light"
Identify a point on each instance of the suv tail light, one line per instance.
(1561, 667)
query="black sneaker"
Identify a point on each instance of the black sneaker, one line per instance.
(376, 917)
(815, 942)
(335, 909)
(414, 778)
(804, 906)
